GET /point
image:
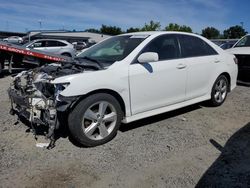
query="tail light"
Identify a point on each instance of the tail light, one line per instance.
(235, 60)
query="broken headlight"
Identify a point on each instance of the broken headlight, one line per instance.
(59, 88)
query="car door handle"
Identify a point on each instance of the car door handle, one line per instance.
(181, 66)
(216, 61)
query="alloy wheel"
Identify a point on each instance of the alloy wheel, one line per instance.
(99, 120)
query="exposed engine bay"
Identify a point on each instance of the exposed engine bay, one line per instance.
(36, 99)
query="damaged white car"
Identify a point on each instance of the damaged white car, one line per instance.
(123, 79)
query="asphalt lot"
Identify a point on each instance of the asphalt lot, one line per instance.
(194, 146)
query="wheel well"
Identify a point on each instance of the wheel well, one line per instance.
(108, 91)
(228, 79)
(66, 54)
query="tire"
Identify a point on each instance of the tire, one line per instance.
(91, 128)
(219, 91)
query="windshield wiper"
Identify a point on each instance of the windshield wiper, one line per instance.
(93, 60)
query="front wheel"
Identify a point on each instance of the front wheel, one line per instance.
(95, 120)
(219, 91)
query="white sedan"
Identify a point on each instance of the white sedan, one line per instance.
(126, 78)
(242, 52)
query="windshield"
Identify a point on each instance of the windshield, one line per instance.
(244, 42)
(113, 49)
(27, 44)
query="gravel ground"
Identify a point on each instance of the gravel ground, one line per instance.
(195, 146)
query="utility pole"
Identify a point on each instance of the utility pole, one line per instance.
(40, 24)
(242, 24)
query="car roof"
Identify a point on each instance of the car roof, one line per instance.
(64, 41)
(159, 33)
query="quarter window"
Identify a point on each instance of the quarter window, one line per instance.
(166, 46)
(194, 46)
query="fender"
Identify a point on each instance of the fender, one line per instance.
(84, 83)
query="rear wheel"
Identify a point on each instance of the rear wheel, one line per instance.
(219, 91)
(95, 120)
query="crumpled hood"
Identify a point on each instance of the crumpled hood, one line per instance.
(239, 51)
(44, 78)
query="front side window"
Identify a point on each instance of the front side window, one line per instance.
(113, 49)
(38, 44)
(166, 46)
(194, 47)
(244, 42)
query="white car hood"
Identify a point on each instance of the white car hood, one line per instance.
(239, 51)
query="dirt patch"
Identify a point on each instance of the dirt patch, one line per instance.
(195, 146)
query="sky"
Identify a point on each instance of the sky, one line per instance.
(21, 15)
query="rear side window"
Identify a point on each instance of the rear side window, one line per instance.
(166, 46)
(52, 43)
(193, 47)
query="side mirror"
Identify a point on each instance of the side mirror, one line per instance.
(148, 57)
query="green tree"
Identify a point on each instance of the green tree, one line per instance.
(151, 26)
(210, 33)
(110, 30)
(132, 29)
(177, 27)
(185, 28)
(92, 30)
(234, 32)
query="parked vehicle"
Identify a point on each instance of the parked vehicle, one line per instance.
(14, 40)
(242, 51)
(19, 56)
(60, 47)
(123, 79)
(79, 45)
(227, 45)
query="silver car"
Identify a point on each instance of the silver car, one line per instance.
(14, 40)
(60, 47)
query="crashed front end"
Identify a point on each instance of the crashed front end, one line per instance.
(34, 98)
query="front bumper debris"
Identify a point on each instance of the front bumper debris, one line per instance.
(40, 111)
(37, 111)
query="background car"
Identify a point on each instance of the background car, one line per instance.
(242, 51)
(79, 45)
(60, 47)
(227, 45)
(14, 40)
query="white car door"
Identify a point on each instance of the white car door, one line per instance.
(158, 84)
(201, 61)
(52, 47)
